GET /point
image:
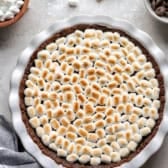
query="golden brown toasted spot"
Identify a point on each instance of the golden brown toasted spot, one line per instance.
(47, 128)
(70, 51)
(106, 91)
(44, 95)
(100, 133)
(116, 99)
(55, 103)
(100, 108)
(102, 100)
(66, 143)
(77, 89)
(100, 72)
(120, 108)
(81, 98)
(69, 71)
(61, 130)
(83, 82)
(82, 132)
(37, 101)
(76, 65)
(124, 98)
(95, 94)
(107, 52)
(98, 116)
(49, 113)
(66, 78)
(92, 57)
(89, 127)
(80, 114)
(70, 59)
(86, 150)
(70, 115)
(85, 50)
(43, 120)
(40, 109)
(109, 120)
(99, 64)
(128, 108)
(65, 105)
(80, 141)
(91, 71)
(71, 135)
(78, 122)
(116, 91)
(74, 78)
(54, 123)
(58, 76)
(88, 109)
(66, 88)
(62, 57)
(100, 124)
(76, 106)
(92, 137)
(112, 85)
(109, 111)
(69, 96)
(109, 68)
(71, 128)
(92, 78)
(56, 87)
(87, 119)
(59, 113)
(118, 69)
(38, 63)
(116, 118)
(53, 96)
(82, 73)
(44, 73)
(65, 122)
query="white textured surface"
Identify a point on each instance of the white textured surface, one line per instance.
(15, 38)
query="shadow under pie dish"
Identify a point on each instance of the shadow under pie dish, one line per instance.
(90, 94)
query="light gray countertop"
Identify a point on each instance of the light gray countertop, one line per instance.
(42, 14)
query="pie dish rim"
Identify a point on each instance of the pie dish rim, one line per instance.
(142, 37)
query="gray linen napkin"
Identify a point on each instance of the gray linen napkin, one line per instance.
(12, 154)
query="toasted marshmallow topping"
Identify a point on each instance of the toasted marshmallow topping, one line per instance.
(92, 96)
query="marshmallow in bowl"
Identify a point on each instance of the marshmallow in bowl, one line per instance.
(9, 8)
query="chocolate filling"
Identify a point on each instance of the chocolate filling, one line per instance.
(45, 150)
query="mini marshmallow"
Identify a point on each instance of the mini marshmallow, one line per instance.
(45, 139)
(124, 152)
(72, 157)
(31, 111)
(105, 158)
(84, 159)
(145, 131)
(115, 156)
(132, 146)
(40, 131)
(95, 161)
(150, 123)
(35, 122)
(28, 101)
(61, 152)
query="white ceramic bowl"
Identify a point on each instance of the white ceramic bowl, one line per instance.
(18, 72)
(153, 14)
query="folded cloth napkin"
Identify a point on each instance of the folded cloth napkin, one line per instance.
(12, 154)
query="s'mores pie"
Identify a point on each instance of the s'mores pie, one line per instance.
(92, 96)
